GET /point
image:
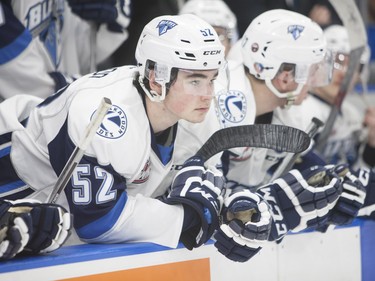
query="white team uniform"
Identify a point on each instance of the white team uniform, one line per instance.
(342, 145)
(347, 133)
(112, 189)
(44, 36)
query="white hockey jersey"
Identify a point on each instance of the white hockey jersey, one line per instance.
(38, 37)
(112, 190)
(347, 134)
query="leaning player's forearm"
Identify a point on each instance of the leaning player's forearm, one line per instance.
(144, 220)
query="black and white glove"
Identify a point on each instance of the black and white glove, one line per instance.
(199, 190)
(367, 178)
(115, 13)
(32, 227)
(246, 225)
(300, 200)
(350, 201)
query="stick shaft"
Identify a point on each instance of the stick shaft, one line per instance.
(353, 22)
(291, 158)
(79, 150)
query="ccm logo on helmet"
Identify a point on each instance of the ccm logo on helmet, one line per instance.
(214, 52)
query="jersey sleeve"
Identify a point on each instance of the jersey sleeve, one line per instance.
(105, 213)
(22, 67)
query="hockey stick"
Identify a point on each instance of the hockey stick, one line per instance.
(352, 20)
(79, 150)
(290, 159)
(276, 137)
(93, 34)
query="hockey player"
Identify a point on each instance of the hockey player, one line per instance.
(26, 225)
(349, 142)
(348, 139)
(283, 54)
(45, 44)
(121, 174)
(218, 14)
(263, 161)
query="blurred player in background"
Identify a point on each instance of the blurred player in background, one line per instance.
(27, 225)
(218, 14)
(46, 44)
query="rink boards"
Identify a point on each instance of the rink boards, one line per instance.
(345, 253)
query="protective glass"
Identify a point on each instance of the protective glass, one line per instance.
(321, 73)
(314, 75)
(202, 83)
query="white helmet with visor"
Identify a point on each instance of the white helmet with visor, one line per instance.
(338, 42)
(183, 42)
(215, 12)
(280, 40)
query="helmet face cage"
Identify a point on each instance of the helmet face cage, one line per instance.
(183, 42)
(279, 37)
(216, 13)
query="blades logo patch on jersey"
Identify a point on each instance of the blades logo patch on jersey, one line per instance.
(232, 106)
(114, 124)
(165, 25)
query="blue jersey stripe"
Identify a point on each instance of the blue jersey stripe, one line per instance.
(4, 151)
(105, 223)
(14, 49)
(13, 186)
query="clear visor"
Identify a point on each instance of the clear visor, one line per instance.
(314, 75)
(191, 82)
(204, 82)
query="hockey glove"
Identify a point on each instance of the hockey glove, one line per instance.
(246, 225)
(199, 190)
(115, 13)
(367, 178)
(350, 201)
(301, 200)
(32, 227)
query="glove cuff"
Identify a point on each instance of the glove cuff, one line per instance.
(208, 221)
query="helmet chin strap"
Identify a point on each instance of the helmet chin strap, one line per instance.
(289, 100)
(153, 95)
(290, 96)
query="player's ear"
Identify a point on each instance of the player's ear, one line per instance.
(154, 86)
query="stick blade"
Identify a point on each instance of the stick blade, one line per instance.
(277, 137)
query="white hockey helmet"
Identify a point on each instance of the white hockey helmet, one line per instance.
(337, 39)
(338, 42)
(182, 42)
(215, 12)
(281, 37)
